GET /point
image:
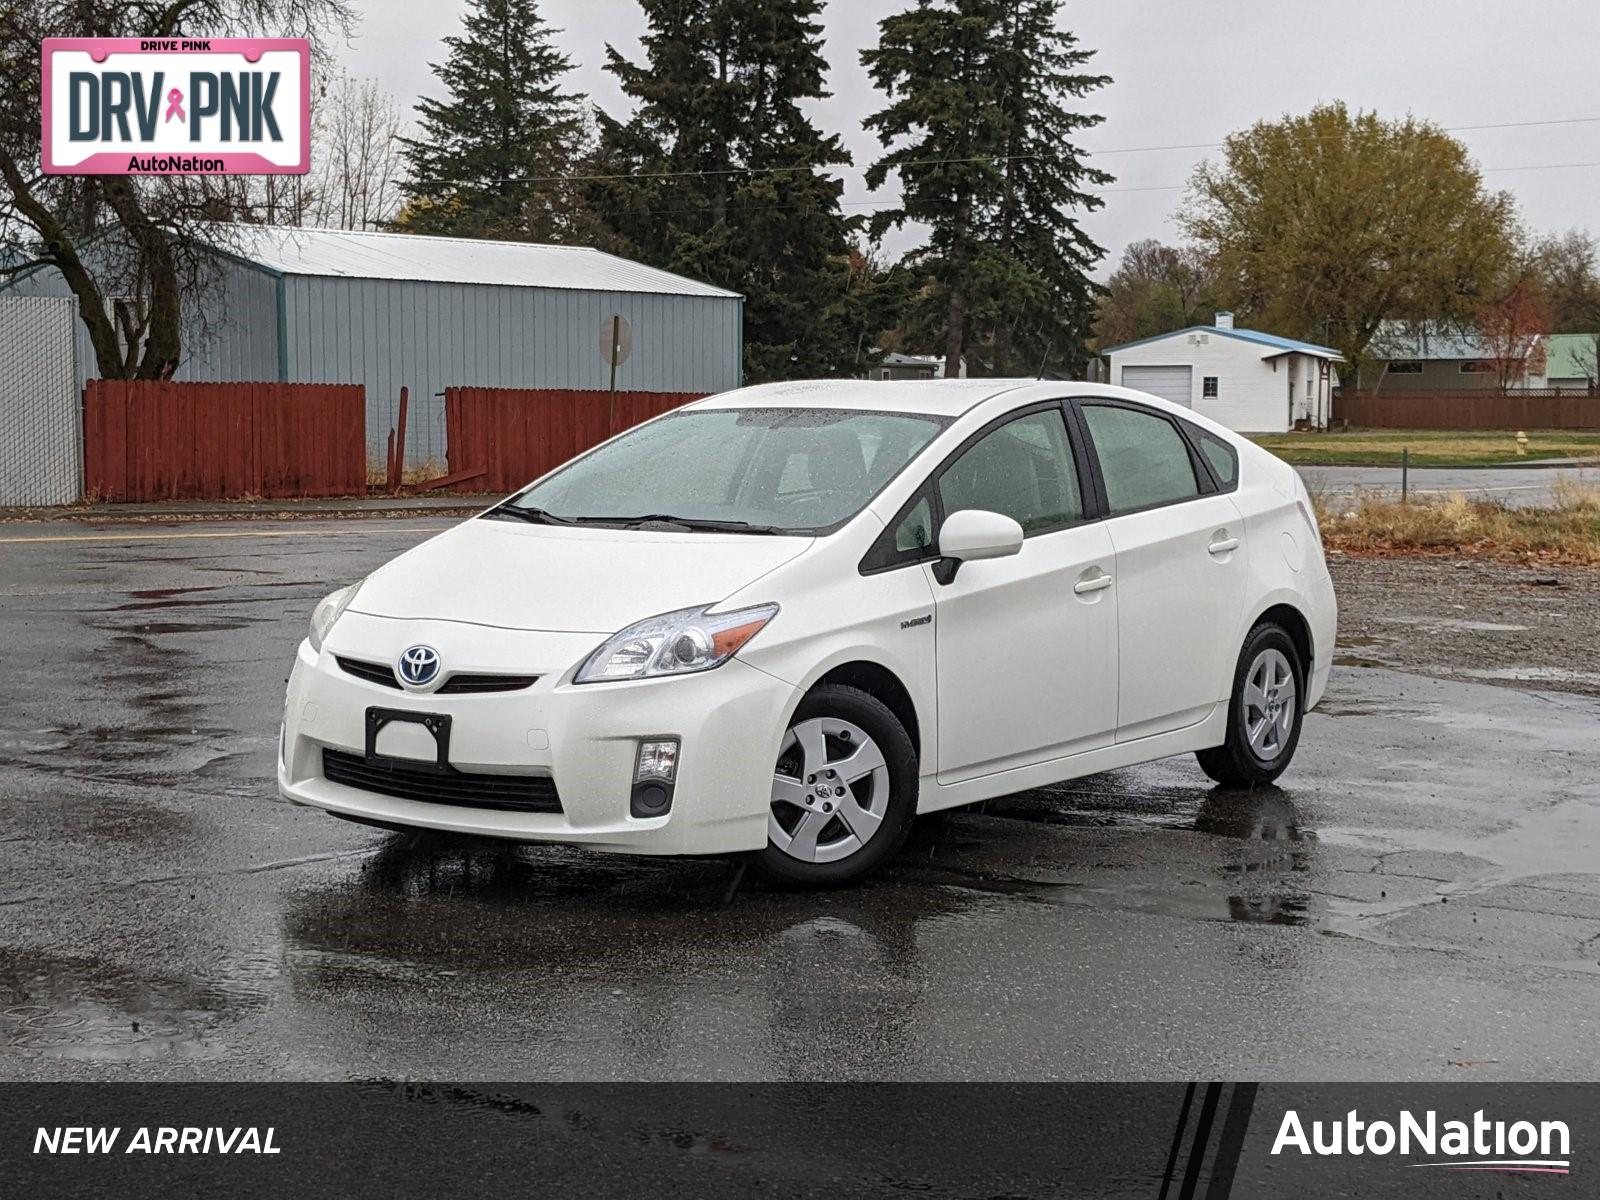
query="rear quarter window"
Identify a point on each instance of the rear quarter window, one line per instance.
(1222, 458)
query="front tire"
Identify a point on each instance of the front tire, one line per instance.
(1264, 712)
(844, 790)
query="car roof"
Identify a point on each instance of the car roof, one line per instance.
(940, 397)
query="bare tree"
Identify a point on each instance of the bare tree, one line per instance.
(130, 248)
(1512, 326)
(1155, 289)
(358, 167)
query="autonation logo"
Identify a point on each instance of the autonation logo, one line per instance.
(1478, 1144)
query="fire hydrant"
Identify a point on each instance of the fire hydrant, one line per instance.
(1522, 443)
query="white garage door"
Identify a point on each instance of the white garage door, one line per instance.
(1170, 383)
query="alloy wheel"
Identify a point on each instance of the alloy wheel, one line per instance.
(830, 791)
(1269, 704)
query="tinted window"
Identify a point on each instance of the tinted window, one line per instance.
(1023, 469)
(783, 468)
(915, 531)
(1222, 457)
(1143, 457)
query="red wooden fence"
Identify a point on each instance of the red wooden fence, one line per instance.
(517, 434)
(153, 440)
(1467, 410)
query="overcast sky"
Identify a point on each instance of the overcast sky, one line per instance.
(1184, 74)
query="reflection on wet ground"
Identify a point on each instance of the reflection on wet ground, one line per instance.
(97, 1012)
(1434, 849)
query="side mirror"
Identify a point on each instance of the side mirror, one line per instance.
(974, 533)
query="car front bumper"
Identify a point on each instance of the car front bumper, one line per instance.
(584, 737)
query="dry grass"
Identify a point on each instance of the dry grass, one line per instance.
(378, 473)
(1567, 532)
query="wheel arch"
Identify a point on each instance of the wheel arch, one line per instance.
(1295, 624)
(879, 682)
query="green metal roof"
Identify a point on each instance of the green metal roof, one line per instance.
(1570, 356)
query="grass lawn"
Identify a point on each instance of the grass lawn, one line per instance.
(1429, 447)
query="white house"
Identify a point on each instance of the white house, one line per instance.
(895, 365)
(1250, 381)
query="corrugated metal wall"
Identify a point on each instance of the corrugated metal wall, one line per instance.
(430, 336)
(240, 317)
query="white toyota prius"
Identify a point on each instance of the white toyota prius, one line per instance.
(787, 619)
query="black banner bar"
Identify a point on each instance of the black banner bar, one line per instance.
(1157, 1141)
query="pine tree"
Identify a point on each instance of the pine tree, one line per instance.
(491, 160)
(727, 179)
(980, 116)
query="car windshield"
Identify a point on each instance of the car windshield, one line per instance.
(765, 470)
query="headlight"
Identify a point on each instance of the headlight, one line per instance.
(327, 611)
(675, 643)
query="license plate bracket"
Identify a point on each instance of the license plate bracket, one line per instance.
(438, 724)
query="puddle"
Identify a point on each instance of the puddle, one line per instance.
(1110, 798)
(1352, 660)
(561, 913)
(22, 743)
(226, 626)
(95, 1011)
(1264, 814)
(168, 593)
(1271, 910)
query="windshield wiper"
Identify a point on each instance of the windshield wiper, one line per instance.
(534, 516)
(706, 523)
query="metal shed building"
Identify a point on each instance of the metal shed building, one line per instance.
(389, 310)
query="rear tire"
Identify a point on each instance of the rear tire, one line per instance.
(1265, 711)
(844, 790)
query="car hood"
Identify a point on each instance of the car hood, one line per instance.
(563, 579)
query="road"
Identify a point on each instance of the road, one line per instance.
(1418, 901)
(1518, 487)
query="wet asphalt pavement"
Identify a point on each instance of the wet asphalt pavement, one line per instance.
(1420, 900)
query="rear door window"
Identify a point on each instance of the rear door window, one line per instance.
(1143, 458)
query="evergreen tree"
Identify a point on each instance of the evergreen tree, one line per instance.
(721, 176)
(980, 115)
(490, 160)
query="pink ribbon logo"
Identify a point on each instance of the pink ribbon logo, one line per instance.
(175, 105)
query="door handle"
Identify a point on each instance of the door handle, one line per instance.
(1223, 545)
(1092, 583)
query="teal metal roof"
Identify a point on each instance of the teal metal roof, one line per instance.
(1281, 344)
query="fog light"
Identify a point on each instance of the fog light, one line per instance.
(657, 760)
(654, 773)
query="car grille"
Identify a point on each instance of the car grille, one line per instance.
(466, 683)
(463, 789)
(371, 672)
(460, 684)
